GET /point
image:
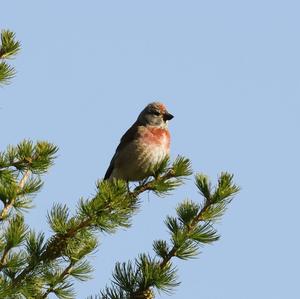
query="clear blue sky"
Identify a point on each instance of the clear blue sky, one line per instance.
(228, 70)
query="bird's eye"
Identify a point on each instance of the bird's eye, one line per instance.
(155, 112)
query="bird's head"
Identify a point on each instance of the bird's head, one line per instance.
(155, 114)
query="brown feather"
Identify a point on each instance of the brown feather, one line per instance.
(128, 137)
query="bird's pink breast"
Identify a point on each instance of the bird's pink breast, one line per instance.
(157, 137)
(137, 159)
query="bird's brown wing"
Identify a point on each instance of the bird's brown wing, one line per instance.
(129, 136)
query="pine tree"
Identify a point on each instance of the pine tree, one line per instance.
(33, 266)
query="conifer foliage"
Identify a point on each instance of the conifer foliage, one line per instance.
(9, 47)
(191, 227)
(33, 266)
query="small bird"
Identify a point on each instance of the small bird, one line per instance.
(146, 143)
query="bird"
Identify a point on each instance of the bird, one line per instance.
(145, 144)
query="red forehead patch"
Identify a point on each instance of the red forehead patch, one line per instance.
(161, 107)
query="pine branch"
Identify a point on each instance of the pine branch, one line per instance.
(20, 170)
(59, 280)
(173, 252)
(7, 207)
(58, 243)
(4, 257)
(36, 157)
(166, 177)
(7, 72)
(111, 208)
(223, 194)
(13, 236)
(189, 230)
(9, 47)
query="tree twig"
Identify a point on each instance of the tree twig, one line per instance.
(9, 205)
(195, 221)
(60, 279)
(150, 185)
(4, 258)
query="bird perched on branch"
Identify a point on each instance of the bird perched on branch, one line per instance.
(146, 143)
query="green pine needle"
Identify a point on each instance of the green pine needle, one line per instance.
(15, 261)
(81, 245)
(225, 188)
(65, 291)
(58, 218)
(204, 233)
(82, 271)
(163, 187)
(7, 72)
(172, 224)
(9, 46)
(111, 208)
(161, 167)
(31, 187)
(35, 246)
(203, 185)
(187, 211)
(214, 211)
(186, 250)
(161, 248)
(125, 276)
(8, 190)
(152, 274)
(15, 232)
(182, 167)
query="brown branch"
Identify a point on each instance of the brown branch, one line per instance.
(150, 185)
(58, 242)
(4, 258)
(18, 164)
(5, 212)
(7, 207)
(54, 248)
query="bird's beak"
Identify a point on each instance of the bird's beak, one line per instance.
(167, 116)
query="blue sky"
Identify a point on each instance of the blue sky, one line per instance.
(228, 70)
